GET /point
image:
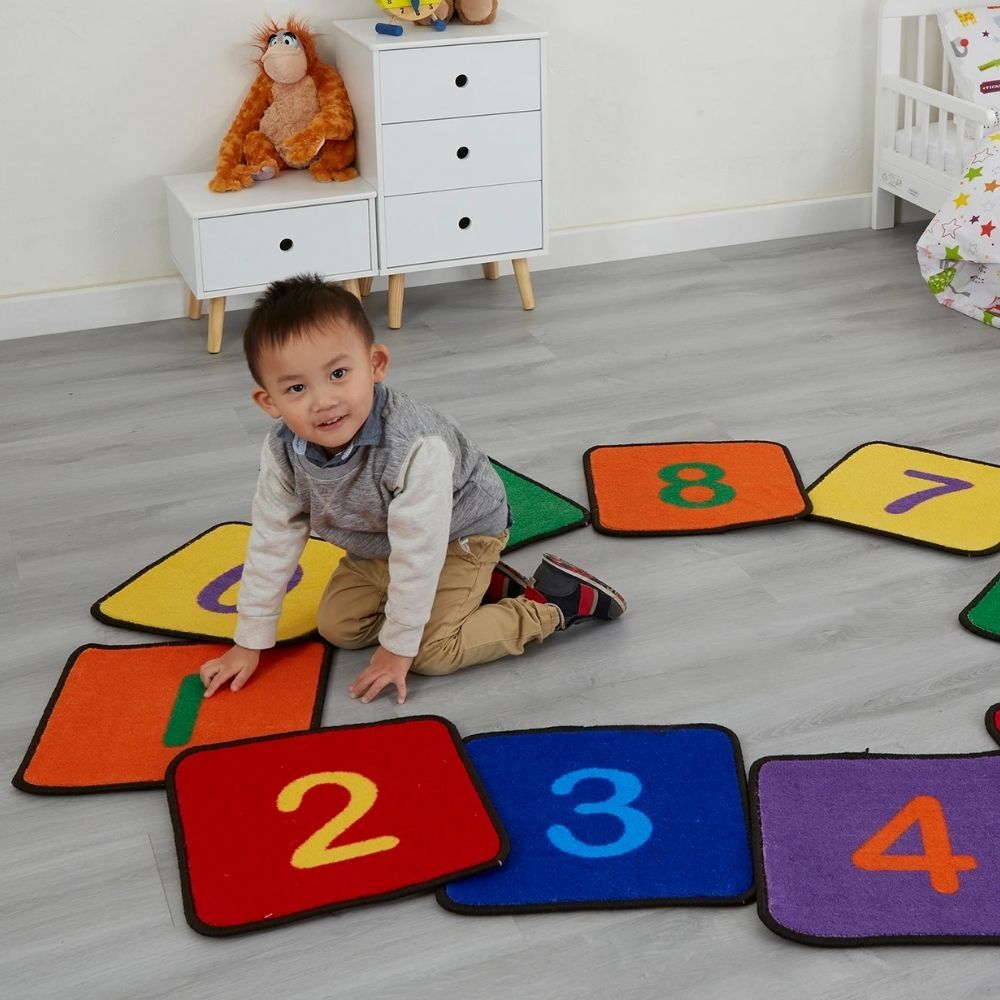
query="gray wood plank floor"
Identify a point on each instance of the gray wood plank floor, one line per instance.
(118, 445)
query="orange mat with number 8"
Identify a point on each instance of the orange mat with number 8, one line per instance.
(688, 487)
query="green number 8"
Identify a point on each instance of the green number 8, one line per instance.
(722, 493)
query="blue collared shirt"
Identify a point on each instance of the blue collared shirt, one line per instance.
(370, 434)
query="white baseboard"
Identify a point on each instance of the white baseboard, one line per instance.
(166, 298)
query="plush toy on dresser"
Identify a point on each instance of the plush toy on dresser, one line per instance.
(476, 11)
(468, 11)
(296, 114)
(436, 13)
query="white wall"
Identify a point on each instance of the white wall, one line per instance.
(663, 109)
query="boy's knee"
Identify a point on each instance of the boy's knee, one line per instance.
(437, 658)
(348, 635)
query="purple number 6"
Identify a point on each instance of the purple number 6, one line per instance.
(948, 485)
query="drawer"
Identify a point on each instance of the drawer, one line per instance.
(461, 152)
(238, 251)
(475, 222)
(445, 81)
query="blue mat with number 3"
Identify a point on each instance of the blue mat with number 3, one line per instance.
(604, 817)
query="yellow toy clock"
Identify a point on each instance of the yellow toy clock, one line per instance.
(408, 11)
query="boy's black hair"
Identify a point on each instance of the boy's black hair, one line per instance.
(297, 306)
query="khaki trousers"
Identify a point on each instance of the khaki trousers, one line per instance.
(459, 632)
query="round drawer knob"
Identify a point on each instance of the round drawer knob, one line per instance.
(462, 152)
(464, 222)
(461, 80)
(286, 244)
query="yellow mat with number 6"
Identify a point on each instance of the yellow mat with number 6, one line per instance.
(191, 592)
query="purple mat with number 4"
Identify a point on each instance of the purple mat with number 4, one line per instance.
(857, 849)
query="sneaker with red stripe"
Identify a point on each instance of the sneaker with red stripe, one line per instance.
(576, 594)
(505, 582)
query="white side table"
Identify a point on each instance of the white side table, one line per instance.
(239, 242)
(450, 128)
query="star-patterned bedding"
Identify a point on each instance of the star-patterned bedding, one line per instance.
(971, 39)
(959, 252)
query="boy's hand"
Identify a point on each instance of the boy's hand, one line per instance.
(384, 668)
(237, 663)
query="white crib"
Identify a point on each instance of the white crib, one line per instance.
(923, 132)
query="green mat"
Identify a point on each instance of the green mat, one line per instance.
(982, 614)
(537, 511)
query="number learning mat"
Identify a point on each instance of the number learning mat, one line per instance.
(923, 496)
(619, 816)
(854, 849)
(120, 714)
(537, 512)
(993, 722)
(689, 487)
(982, 614)
(276, 829)
(191, 592)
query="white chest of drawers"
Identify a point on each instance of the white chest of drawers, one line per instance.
(240, 241)
(450, 128)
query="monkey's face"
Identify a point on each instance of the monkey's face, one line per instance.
(284, 59)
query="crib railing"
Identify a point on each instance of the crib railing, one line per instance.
(917, 114)
(923, 114)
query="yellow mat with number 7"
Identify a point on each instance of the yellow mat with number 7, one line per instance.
(912, 493)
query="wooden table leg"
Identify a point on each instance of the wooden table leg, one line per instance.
(365, 284)
(491, 270)
(351, 284)
(523, 277)
(216, 314)
(396, 284)
(194, 306)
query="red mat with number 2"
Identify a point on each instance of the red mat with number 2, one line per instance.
(285, 827)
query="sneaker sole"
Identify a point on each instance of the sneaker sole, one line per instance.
(593, 581)
(512, 574)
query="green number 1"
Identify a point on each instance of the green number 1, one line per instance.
(722, 493)
(190, 697)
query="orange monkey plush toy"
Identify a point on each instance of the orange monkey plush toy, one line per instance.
(296, 114)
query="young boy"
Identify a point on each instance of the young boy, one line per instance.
(417, 506)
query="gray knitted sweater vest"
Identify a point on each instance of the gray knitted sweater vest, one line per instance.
(348, 504)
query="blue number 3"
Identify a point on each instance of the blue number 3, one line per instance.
(627, 788)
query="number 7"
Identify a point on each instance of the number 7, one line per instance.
(948, 485)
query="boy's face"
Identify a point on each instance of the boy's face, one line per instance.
(322, 384)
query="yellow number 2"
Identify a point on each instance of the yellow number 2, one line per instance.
(316, 851)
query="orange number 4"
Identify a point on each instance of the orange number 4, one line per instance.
(937, 860)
